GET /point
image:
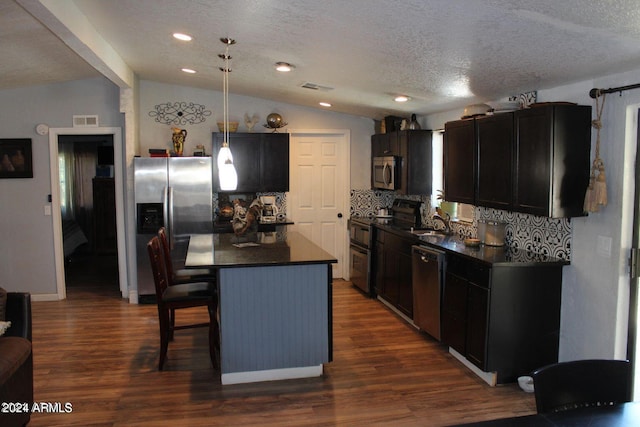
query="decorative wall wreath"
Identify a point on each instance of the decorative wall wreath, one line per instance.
(180, 113)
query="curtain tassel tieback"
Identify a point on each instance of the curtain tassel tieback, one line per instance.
(596, 194)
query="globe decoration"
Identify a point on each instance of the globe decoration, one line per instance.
(274, 121)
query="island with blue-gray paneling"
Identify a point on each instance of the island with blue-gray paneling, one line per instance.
(274, 301)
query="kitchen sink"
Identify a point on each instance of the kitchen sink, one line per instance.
(429, 236)
(426, 232)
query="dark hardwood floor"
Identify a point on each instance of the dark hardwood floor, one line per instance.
(100, 353)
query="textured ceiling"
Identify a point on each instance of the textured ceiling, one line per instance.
(444, 54)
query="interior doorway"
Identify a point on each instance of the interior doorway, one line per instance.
(57, 138)
(633, 353)
(87, 204)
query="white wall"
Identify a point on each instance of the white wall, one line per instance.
(595, 285)
(26, 234)
(157, 135)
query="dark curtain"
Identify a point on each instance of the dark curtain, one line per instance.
(77, 169)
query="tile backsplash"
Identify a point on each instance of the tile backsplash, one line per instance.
(548, 236)
(225, 198)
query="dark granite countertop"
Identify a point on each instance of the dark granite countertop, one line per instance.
(254, 249)
(221, 225)
(493, 255)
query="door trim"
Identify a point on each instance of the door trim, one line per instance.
(345, 191)
(118, 174)
(634, 280)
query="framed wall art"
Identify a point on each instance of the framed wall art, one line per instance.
(15, 158)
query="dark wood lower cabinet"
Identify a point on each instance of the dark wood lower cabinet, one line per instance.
(503, 318)
(477, 312)
(454, 313)
(393, 271)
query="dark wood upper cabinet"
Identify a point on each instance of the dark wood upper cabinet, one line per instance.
(275, 162)
(460, 161)
(552, 152)
(534, 160)
(495, 161)
(261, 161)
(385, 144)
(414, 151)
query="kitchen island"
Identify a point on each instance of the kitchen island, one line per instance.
(275, 303)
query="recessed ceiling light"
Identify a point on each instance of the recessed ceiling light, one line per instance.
(284, 67)
(401, 98)
(183, 37)
(189, 70)
(325, 104)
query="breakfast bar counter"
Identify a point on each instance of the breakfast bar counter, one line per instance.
(275, 303)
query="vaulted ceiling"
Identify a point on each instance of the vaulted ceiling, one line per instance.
(355, 54)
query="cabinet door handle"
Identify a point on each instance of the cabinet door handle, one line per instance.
(339, 214)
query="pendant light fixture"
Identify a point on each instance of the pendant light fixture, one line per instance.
(227, 174)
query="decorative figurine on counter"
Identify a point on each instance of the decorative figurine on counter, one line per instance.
(179, 135)
(275, 122)
(250, 122)
(245, 219)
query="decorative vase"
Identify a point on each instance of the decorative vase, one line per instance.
(179, 135)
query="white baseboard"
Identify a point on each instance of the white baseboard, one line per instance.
(133, 297)
(396, 311)
(490, 378)
(45, 297)
(271, 375)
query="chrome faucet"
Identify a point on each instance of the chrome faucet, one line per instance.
(445, 218)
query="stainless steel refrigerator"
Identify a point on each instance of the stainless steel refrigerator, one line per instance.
(174, 192)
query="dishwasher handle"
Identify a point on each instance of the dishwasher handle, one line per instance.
(427, 254)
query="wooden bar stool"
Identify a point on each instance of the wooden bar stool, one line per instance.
(182, 275)
(185, 295)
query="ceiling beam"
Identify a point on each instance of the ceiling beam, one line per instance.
(71, 26)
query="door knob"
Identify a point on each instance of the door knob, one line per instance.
(339, 214)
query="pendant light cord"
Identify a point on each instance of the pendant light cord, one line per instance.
(225, 90)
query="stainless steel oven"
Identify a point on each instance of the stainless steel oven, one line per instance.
(360, 235)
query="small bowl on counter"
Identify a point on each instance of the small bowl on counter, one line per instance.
(471, 242)
(526, 383)
(233, 126)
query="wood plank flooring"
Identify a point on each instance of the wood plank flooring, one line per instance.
(99, 353)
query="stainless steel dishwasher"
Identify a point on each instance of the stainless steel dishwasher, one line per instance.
(428, 266)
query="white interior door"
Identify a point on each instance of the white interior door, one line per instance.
(319, 193)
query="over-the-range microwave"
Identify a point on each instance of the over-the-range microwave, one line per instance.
(385, 174)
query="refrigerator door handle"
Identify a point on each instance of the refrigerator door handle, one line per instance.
(165, 208)
(171, 234)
